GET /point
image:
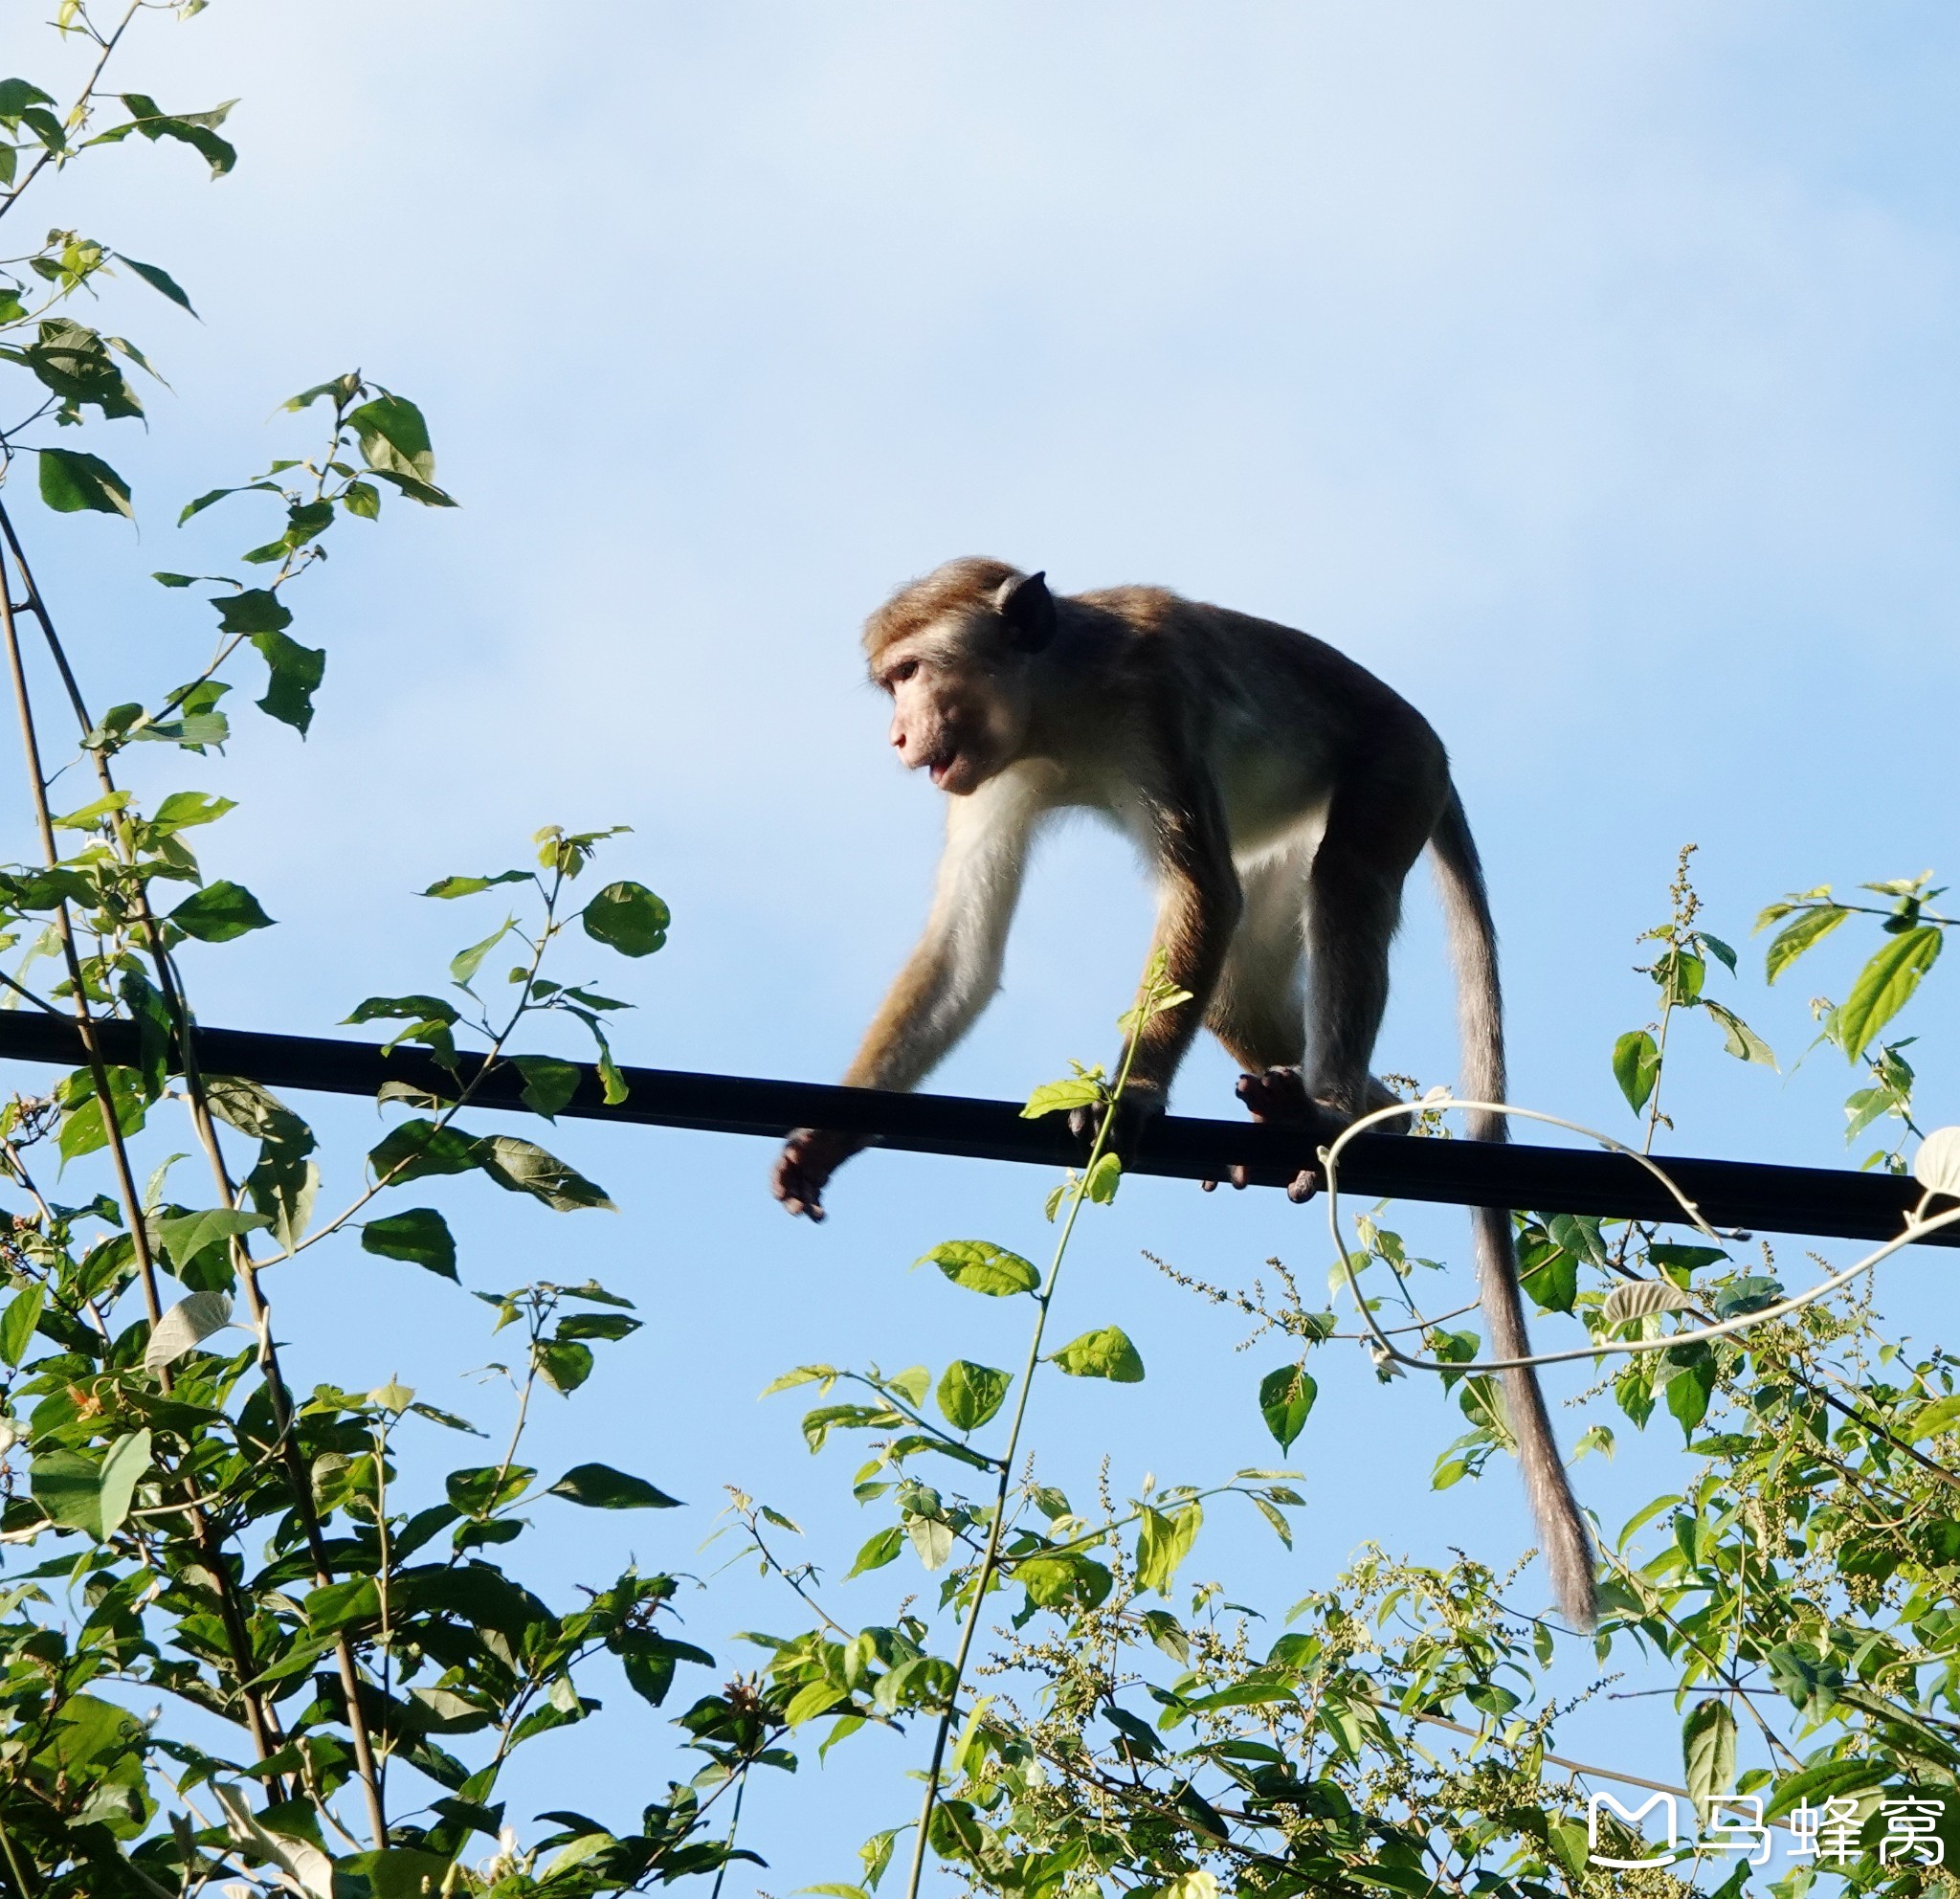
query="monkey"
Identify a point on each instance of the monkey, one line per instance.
(1282, 794)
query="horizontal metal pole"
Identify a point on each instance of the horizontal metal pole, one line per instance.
(1830, 1202)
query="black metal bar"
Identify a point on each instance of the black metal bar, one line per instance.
(1819, 1202)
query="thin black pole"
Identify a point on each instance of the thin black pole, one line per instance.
(1828, 1202)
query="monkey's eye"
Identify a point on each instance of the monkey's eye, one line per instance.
(905, 670)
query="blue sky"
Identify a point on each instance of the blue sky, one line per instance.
(1587, 372)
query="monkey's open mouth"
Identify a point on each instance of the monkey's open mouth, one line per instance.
(943, 764)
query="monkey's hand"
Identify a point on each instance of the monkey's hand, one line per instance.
(809, 1156)
(1139, 1105)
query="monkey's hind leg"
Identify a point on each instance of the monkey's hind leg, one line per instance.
(1258, 1008)
(1374, 834)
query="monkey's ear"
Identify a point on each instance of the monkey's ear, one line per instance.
(1027, 609)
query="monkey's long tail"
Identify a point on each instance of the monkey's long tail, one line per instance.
(1480, 1008)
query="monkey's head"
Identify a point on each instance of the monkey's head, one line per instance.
(955, 651)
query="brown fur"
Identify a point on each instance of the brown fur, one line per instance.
(1222, 745)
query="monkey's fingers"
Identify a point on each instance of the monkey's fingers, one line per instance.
(1235, 1173)
(800, 1200)
(1277, 1094)
(798, 1185)
(1303, 1186)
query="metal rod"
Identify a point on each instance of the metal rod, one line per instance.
(1828, 1202)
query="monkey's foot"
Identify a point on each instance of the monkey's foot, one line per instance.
(1280, 1095)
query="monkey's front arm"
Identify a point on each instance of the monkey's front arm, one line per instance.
(947, 981)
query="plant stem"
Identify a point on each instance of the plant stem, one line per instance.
(299, 1477)
(734, 1827)
(989, 1557)
(259, 1715)
(76, 112)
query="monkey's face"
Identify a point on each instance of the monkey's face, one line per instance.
(959, 719)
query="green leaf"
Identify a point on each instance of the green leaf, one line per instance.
(1739, 1040)
(1708, 1744)
(1285, 1398)
(1796, 937)
(1717, 948)
(969, 1394)
(68, 1486)
(612, 1084)
(17, 96)
(71, 482)
(465, 963)
(884, 1548)
(1164, 1540)
(486, 1487)
(1104, 1178)
(75, 362)
(122, 1469)
(912, 1383)
(1681, 974)
(468, 887)
(211, 496)
(394, 442)
(219, 912)
(1063, 1582)
(649, 1659)
(253, 609)
(403, 1009)
(629, 918)
(598, 1486)
(1548, 1272)
(1688, 1390)
(293, 675)
(282, 1188)
(92, 813)
(1105, 1354)
(550, 1083)
(1884, 987)
(159, 281)
(182, 809)
(190, 1234)
(1673, 1258)
(17, 1323)
(1579, 1235)
(1635, 1066)
(563, 1365)
(418, 1235)
(932, 1538)
(597, 1325)
(981, 1266)
(1054, 1097)
(82, 1130)
(196, 129)
(526, 1168)
(418, 1148)
(187, 1323)
(1823, 1780)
